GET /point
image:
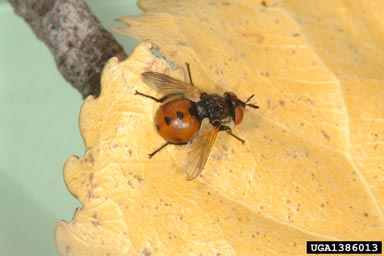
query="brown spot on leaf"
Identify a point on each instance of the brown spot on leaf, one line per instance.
(264, 3)
(91, 175)
(326, 135)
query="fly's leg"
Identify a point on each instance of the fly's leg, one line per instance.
(153, 98)
(229, 131)
(158, 150)
(189, 73)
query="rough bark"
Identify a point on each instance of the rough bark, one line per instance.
(78, 42)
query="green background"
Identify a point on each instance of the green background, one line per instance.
(38, 132)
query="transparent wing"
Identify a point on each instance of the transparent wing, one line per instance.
(170, 86)
(199, 148)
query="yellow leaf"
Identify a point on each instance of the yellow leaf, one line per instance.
(312, 167)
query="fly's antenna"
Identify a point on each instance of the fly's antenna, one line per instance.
(250, 104)
(189, 73)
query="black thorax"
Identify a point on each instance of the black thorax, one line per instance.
(213, 107)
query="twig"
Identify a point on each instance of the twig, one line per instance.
(78, 42)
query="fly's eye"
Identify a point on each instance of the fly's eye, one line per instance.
(239, 114)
